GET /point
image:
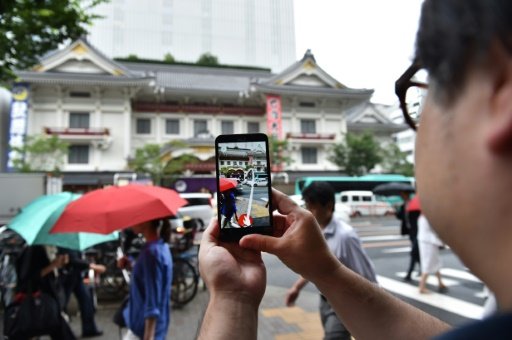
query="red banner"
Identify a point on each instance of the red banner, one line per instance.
(274, 114)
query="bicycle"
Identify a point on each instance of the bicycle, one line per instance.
(185, 279)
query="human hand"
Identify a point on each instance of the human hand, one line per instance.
(291, 296)
(297, 240)
(229, 271)
(60, 261)
(123, 262)
(98, 268)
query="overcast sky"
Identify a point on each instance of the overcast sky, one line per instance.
(361, 43)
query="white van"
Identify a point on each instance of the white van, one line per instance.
(364, 203)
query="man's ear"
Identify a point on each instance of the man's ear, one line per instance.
(499, 132)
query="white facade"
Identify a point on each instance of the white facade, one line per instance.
(106, 110)
(238, 32)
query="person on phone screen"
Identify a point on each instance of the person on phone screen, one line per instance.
(344, 244)
(463, 165)
(228, 209)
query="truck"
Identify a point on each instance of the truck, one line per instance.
(19, 189)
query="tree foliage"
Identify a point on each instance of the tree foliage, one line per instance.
(207, 59)
(357, 155)
(279, 155)
(150, 160)
(395, 161)
(169, 58)
(30, 28)
(41, 153)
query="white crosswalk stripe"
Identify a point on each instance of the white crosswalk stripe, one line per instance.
(396, 250)
(432, 280)
(442, 301)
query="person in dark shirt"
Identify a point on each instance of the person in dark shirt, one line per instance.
(72, 281)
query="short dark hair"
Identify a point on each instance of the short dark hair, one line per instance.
(319, 193)
(456, 35)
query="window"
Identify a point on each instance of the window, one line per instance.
(143, 126)
(307, 126)
(78, 120)
(367, 198)
(253, 127)
(309, 155)
(200, 126)
(79, 94)
(227, 127)
(172, 126)
(344, 198)
(78, 154)
(307, 104)
(356, 198)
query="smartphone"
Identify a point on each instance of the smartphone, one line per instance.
(244, 197)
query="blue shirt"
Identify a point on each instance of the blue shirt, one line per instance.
(496, 327)
(150, 290)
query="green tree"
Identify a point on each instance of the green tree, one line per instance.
(30, 28)
(279, 155)
(207, 59)
(169, 58)
(41, 153)
(395, 161)
(357, 155)
(148, 160)
(132, 57)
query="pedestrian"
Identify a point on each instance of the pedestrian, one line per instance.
(228, 208)
(412, 214)
(71, 277)
(147, 311)
(343, 242)
(37, 271)
(463, 170)
(431, 263)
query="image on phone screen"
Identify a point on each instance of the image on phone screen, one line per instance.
(244, 184)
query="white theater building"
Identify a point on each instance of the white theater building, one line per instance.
(107, 109)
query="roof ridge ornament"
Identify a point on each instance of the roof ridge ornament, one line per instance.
(309, 55)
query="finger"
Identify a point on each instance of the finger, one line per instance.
(268, 244)
(280, 225)
(211, 233)
(283, 203)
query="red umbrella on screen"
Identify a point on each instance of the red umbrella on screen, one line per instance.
(226, 184)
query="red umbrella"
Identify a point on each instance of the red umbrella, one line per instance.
(103, 211)
(414, 204)
(225, 184)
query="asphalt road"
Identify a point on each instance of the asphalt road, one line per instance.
(389, 252)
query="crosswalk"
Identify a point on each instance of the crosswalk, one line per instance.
(441, 301)
(466, 295)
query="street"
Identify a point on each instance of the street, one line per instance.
(389, 253)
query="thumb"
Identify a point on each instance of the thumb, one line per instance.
(268, 244)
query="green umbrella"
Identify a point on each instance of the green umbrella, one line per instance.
(35, 221)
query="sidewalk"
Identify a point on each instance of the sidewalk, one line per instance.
(276, 321)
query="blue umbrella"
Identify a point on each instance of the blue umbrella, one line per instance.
(36, 219)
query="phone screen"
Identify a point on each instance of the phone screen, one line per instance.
(243, 183)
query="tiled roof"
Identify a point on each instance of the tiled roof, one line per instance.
(198, 78)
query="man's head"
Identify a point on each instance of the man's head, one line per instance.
(319, 199)
(464, 141)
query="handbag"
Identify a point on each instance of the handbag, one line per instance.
(31, 315)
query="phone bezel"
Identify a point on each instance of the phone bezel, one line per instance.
(235, 234)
